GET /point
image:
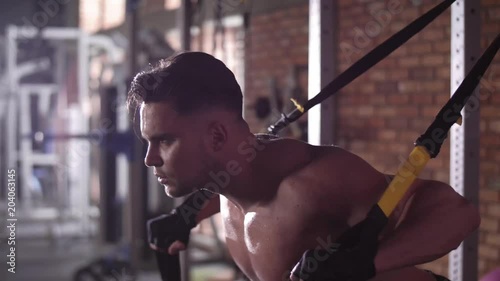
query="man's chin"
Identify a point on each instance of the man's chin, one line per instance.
(174, 192)
(170, 191)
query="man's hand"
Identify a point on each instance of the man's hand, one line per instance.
(168, 233)
(351, 258)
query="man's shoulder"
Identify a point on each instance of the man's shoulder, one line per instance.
(318, 184)
(332, 180)
(301, 161)
(305, 156)
(330, 167)
(324, 159)
(317, 165)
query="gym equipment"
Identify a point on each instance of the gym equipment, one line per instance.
(115, 266)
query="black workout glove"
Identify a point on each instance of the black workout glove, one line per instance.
(350, 258)
(166, 229)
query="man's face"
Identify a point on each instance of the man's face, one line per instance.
(175, 148)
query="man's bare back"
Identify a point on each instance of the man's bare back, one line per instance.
(268, 239)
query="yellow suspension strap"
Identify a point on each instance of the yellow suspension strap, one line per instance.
(361, 66)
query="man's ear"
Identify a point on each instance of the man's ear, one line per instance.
(216, 136)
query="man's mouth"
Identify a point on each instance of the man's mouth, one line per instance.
(162, 180)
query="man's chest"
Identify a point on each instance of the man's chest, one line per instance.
(268, 241)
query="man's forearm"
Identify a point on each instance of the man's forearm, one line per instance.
(437, 223)
(405, 247)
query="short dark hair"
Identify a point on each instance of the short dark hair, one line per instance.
(190, 81)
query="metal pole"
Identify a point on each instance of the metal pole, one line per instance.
(321, 69)
(464, 148)
(185, 25)
(185, 34)
(25, 147)
(84, 103)
(107, 173)
(138, 173)
(12, 102)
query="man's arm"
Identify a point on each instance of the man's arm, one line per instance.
(437, 220)
(430, 220)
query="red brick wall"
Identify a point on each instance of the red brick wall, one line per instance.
(489, 250)
(275, 43)
(385, 110)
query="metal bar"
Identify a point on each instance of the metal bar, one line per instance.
(26, 148)
(30, 67)
(464, 147)
(40, 89)
(52, 33)
(83, 128)
(83, 78)
(43, 159)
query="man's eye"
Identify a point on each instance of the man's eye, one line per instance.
(167, 141)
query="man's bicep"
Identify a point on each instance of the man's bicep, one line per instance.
(365, 186)
(402, 206)
(429, 194)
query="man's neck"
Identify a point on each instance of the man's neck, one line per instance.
(256, 181)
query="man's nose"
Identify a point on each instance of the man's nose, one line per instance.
(152, 158)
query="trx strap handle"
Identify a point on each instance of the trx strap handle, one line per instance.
(427, 146)
(165, 229)
(362, 65)
(169, 266)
